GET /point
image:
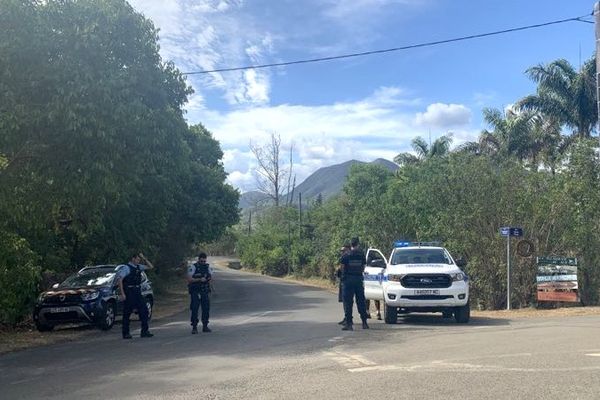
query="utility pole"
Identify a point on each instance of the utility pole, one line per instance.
(508, 272)
(250, 223)
(597, 26)
(300, 208)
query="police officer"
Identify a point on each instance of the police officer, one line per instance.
(338, 273)
(199, 278)
(353, 266)
(130, 280)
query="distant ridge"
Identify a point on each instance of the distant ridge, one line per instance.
(327, 181)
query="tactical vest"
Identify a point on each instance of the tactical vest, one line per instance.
(201, 271)
(134, 278)
(355, 264)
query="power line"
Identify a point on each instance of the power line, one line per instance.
(412, 46)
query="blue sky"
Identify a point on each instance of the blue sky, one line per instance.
(361, 108)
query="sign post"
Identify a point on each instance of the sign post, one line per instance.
(507, 232)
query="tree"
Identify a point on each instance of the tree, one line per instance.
(567, 95)
(271, 173)
(96, 158)
(439, 148)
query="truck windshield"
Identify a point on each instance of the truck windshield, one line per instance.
(420, 256)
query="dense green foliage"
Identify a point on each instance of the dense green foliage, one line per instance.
(96, 158)
(534, 168)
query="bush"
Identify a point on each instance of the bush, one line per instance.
(19, 278)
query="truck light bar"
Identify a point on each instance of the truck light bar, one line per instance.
(407, 243)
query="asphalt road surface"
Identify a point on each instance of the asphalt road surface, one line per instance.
(279, 340)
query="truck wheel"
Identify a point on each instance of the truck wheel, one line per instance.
(108, 317)
(390, 314)
(462, 314)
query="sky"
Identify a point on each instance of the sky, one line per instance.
(361, 108)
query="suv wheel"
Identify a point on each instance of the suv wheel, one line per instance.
(462, 314)
(43, 327)
(108, 317)
(390, 314)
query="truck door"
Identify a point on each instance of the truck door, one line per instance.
(376, 263)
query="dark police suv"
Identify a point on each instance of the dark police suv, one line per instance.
(90, 295)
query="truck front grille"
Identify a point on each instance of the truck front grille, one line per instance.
(427, 281)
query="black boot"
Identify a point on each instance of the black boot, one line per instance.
(364, 324)
(205, 328)
(347, 327)
(342, 322)
(194, 330)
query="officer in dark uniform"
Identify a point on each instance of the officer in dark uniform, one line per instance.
(199, 278)
(353, 266)
(130, 280)
(338, 273)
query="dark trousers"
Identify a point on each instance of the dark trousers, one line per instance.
(341, 293)
(354, 287)
(134, 300)
(199, 299)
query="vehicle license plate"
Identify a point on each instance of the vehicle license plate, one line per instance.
(426, 291)
(59, 309)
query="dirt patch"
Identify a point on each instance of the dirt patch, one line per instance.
(538, 313)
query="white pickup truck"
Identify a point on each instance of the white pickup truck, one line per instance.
(418, 278)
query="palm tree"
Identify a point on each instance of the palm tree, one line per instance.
(565, 95)
(439, 148)
(525, 135)
(511, 135)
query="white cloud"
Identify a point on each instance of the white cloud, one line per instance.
(245, 181)
(444, 116)
(378, 126)
(237, 160)
(203, 35)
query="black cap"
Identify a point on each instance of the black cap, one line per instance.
(354, 241)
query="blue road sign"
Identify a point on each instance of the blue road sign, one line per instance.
(516, 232)
(507, 231)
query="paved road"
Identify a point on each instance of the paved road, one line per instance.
(278, 340)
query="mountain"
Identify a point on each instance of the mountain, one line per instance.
(328, 181)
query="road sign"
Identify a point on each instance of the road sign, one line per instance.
(518, 232)
(507, 231)
(554, 260)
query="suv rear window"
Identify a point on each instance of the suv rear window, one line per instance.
(420, 256)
